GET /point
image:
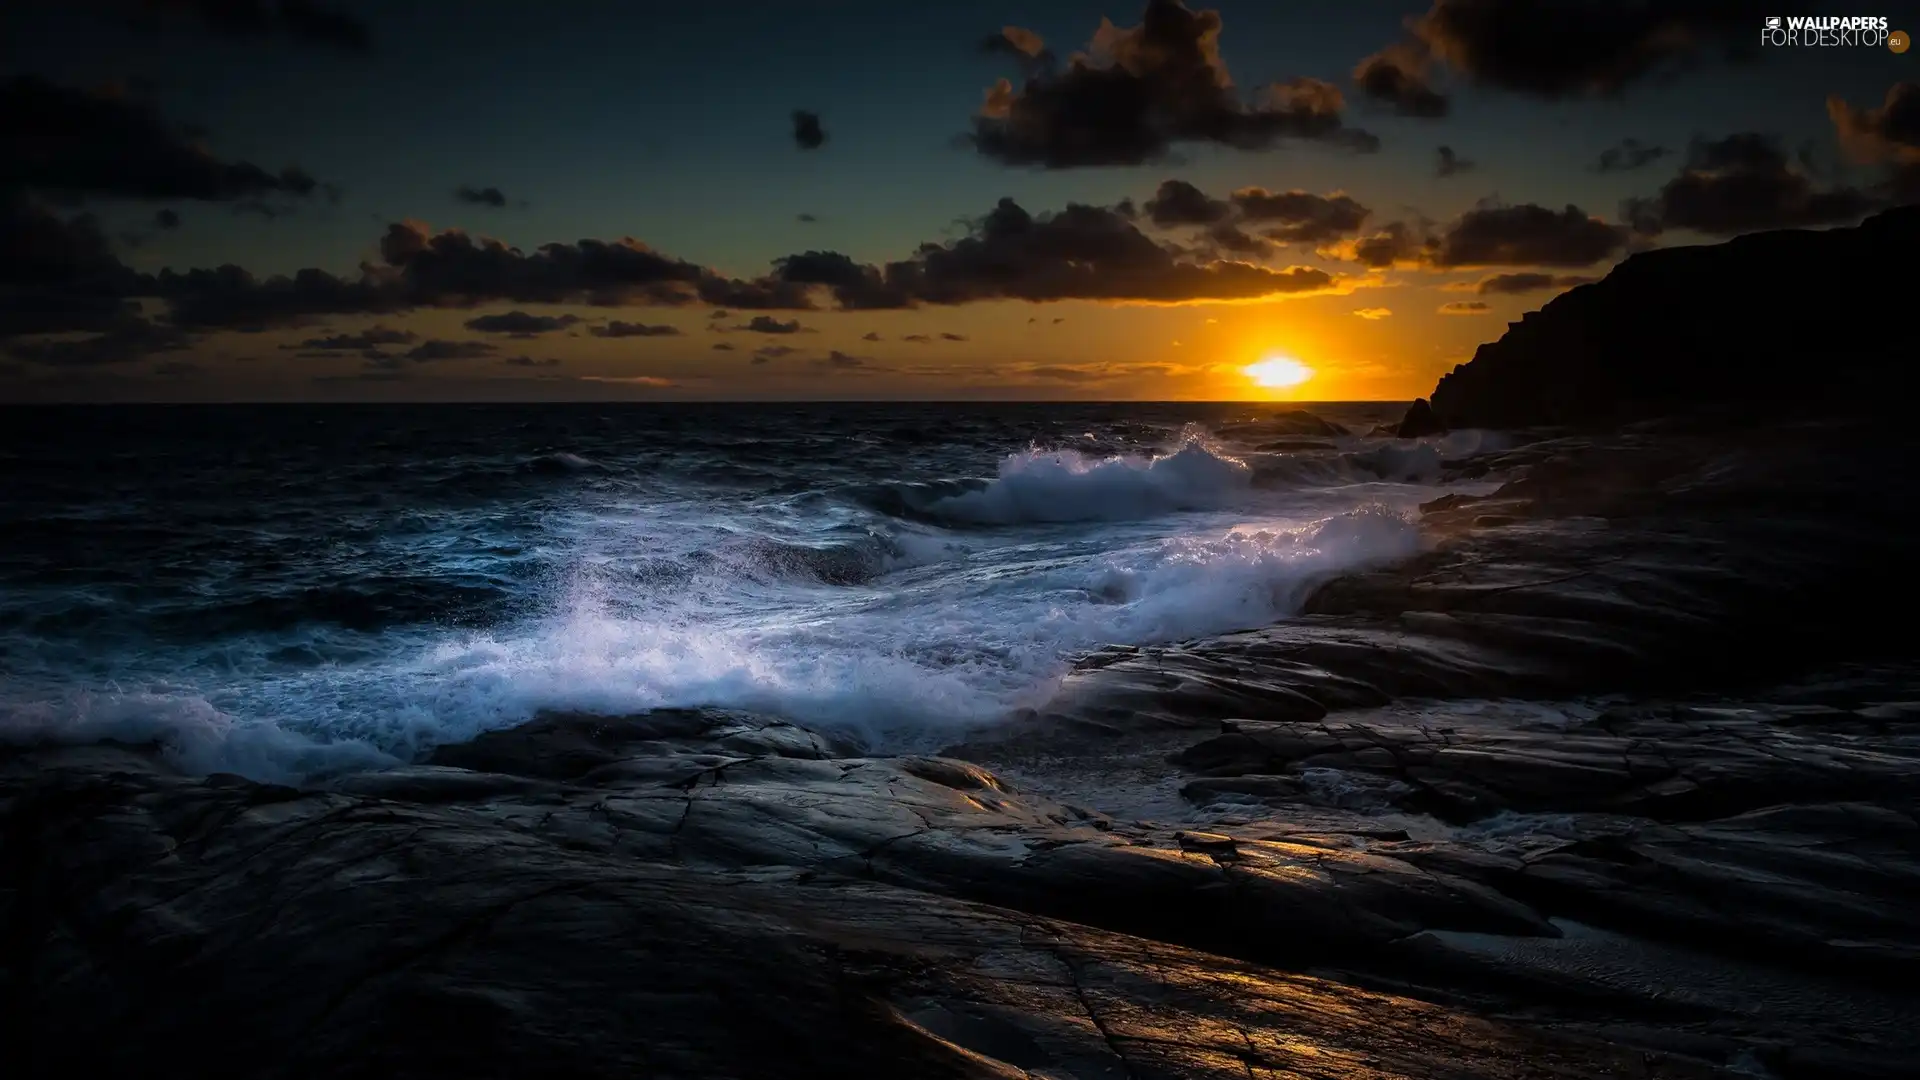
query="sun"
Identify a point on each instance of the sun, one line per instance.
(1278, 372)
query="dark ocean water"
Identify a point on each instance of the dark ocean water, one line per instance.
(277, 589)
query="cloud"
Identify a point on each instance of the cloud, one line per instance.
(1176, 202)
(1079, 253)
(166, 219)
(944, 336)
(630, 380)
(420, 268)
(918, 339)
(530, 362)
(1300, 217)
(1526, 235)
(1739, 184)
(299, 21)
(1138, 92)
(1628, 154)
(1525, 282)
(1464, 307)
(1448, 163)
(839, 361)
(481, 196)
(1068, 373)
(774, 352)
(767, 324)
(373, 337)
(1888, 135)
(435, 349)
(124, 342)
(870, 336)
(807, 132)
(111, 145)
(1393, 244)
(521, 324)
(1397, 76)
(721, 346)
(805, 219)
(1372, 314)
(1575, 48)
(618, 329)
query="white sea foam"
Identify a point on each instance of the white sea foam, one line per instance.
(1066, 485)
(957, 628)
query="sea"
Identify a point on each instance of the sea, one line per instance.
(286, 591)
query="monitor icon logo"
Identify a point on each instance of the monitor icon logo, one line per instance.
(1773, 22)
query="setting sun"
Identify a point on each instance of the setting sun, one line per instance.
(1278, 372)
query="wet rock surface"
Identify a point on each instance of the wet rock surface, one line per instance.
(1608, 806)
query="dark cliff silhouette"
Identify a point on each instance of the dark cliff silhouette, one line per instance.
(1787, 322)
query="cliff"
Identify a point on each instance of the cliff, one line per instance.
(1792, 320)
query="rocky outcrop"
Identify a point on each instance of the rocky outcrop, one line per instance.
(1780, 322)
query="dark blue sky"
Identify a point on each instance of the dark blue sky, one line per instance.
(670, 124)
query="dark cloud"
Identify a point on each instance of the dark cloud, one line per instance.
(1080, 253)
(619, 329)
(721, 314)
(1063, 373)
(952, 337)
(805, 219)
(128, 340)
(1514, 284)
(1138, 92)
(1395, 244)
(1449, 163)
(839, 361)
(767, 324)
(918, 339)
(1576, 48)
(166, 219)
(300, 21)
(521, 324)
(1464, 307)
(1177, 202)
(78, 143)
(481, 196)
(371, 338)
(807, 132)
(530, 362)
(1526, 235)
(721, 346)
(1227, 239)
(870, 336)
(774, 352)
(59, 274)
(440, 349)
(1300, 217)
(1398, 76)
(178, 369)
(1742, 183)
(1627, 155)
(856, 287)
(420, 268)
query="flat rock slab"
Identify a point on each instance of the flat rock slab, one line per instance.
(233, 929)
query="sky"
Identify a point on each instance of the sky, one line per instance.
(426, 200)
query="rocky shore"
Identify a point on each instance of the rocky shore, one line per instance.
(1639, 801)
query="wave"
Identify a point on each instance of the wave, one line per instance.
(1066, 485)
(901, 667)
